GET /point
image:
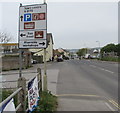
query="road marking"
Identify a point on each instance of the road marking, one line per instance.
(109, 106)
(106, 70)
(92, 66)
(109, 71)
(102, 69)
(77, 95)
(114, 103)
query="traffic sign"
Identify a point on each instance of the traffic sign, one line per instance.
(33, 43)
(28, 17)
(38, 34)
(33, 26)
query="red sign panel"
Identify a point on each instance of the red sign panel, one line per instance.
(29, 25)
(38, 16)
(38, 34)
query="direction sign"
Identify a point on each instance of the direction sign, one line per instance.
(33, 43)
(33, 26)
(37, 34)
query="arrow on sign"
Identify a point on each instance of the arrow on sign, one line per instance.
(42, 43)
(22, 35)
(21, 18)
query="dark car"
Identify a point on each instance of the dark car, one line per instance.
(59, 59)
(66, 58)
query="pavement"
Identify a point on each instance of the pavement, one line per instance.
(80, 85)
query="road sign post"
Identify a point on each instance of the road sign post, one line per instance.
(33, 30)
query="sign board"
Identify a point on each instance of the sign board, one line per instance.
(33, 95)
(33, 26)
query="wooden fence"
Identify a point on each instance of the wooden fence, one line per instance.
(21, 92)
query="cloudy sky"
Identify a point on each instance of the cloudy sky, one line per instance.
(73, 24)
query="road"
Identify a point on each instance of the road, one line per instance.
(87, 85)
(82, 85)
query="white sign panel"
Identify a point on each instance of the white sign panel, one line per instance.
(32, 43)
(33, 95)
(33, 24)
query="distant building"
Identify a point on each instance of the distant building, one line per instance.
(64, 51)
(7, 48)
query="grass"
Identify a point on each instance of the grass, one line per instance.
(114, 59)
(11, 56)
(4, 93)
(47, 102)
(27, 67)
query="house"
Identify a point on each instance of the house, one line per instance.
(64, 52)
(39, 53)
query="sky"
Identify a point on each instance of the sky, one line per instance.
(74, 24)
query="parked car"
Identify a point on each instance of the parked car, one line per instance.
(59, 59)
(87, 56)
(66, 58)
(93, 57)
(34, 61)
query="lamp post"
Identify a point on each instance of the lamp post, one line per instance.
(99, 47)
(44, 1)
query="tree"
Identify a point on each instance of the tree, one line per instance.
(117, 49)
(109, 48)
(5, 37)
(82, 52)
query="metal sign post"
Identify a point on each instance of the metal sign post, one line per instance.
(20, 63)
(20, 58)
(45, 72)
(33, 31)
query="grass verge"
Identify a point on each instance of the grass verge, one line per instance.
(113, 59)
(47, 103)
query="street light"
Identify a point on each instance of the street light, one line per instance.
(99, 47)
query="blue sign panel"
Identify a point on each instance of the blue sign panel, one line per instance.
(27, 17)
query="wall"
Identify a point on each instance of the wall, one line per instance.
(9, 63)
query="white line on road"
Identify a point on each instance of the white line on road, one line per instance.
(101, 69)
(109, 71)
(109, 106)
(105, 70)
(92, 66)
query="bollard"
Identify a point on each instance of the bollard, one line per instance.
(22, 94)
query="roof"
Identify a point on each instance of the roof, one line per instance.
(49, 35)
(8, 44)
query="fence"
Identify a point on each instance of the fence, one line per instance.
(21, 92)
